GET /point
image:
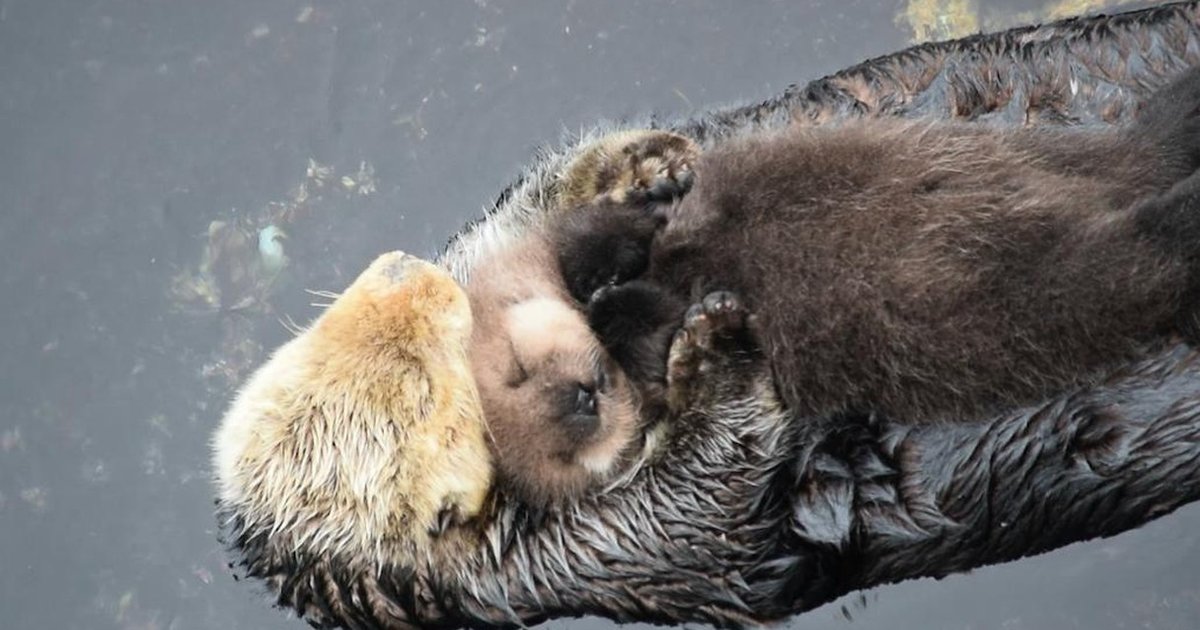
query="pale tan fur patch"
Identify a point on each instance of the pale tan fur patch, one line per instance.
(542, 326)
(356, 434)
(531, 346)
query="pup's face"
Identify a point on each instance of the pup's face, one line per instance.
(561, 414)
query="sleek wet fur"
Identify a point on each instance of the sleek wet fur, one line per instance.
(747, 518)
(915, 269)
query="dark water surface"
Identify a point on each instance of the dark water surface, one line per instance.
(145, 146)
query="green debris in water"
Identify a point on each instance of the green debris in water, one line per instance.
(935, 20)
(939, 20)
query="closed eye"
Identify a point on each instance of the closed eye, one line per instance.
(517, 374)
(601, 377)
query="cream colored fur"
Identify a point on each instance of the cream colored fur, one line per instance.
(357, 433)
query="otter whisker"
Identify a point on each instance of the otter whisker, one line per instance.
(290, 325)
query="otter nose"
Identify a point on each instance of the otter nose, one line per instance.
(580, 427)
(395, 266)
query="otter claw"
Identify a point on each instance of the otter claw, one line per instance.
(449, 516)
(717, 331)
(726, 309)
(668, 188)
(719, 314)
(600, 293)
(637, 166)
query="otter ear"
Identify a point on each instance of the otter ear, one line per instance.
(360, 435)
(634, 166)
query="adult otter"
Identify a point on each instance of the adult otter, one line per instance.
(831, 511)
(384, 370)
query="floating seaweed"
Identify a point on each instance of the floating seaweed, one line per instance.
(938, 20)
(244, 261)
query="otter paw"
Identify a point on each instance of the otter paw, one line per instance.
(715, 350)
(659, 168)
(631, 167)
(720, 314)
(450, 515)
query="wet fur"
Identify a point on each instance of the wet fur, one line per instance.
(387, 360)
(746, 519)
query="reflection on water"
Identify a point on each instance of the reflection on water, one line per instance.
(175, 178)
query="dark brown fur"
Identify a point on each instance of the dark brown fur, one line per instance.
(949, 499)
(922, 270)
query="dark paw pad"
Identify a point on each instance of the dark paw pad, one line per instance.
(599, 245)
(716, 349)
(719, 314)
(659, 168)
(666, 187)
(725, 309)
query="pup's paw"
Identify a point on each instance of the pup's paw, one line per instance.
(715, 353)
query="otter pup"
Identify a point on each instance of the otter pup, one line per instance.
(916, 270)
(560, 412)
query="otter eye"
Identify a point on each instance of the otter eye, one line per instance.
(585, 400)
(517, 374)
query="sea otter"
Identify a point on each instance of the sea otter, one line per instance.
(918, 270)
(562, 416)
(748, 517)
(388, 359)
(922, 271)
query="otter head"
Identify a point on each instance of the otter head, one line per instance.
(561, 414)
(362, 435)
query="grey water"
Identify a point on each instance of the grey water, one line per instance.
(145, 147)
